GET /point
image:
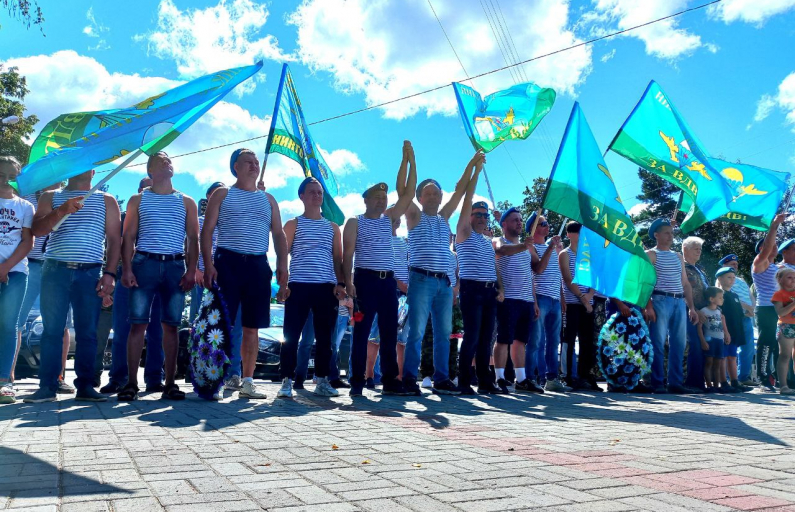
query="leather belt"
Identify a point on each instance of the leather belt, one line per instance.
(479, 284)
(74, 265)
(381, 274)
(161, 257)
(669, 294)
(437, 275)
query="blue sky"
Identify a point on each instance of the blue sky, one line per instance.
(728, 69)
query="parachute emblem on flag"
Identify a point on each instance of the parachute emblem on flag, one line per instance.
(738, 186)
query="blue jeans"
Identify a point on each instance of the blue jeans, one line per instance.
(695, 358)
(12, 294)
(546, 332)
(153, 369)
(746, 358)
(67, 287)
(32, 293)
(428, 296)
(671, 323)
(342, 326)
(305, 348)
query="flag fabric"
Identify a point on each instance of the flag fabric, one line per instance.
(74, 143)
(656, 138)
(611, 257)
(504, 115)
(289, 136)
(756, 193)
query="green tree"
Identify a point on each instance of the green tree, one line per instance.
(13, 89)
(25, 11)
(530, 204)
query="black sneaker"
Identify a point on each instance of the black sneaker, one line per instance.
(488, 388)
(642, 389)
(356, 390)
(504, 386)
(728, 388)
(446, 387)
(90, 395)
(111, 388)
(678, 390)
(767, 387)
(474, 381)
(396, 388)
(339, 384)
(298, 384)
(412, 389)
(41, 395)
(528, 386)
(155, 388)
(466, 390)
(369, 383)
(592, 385)
(64, 388)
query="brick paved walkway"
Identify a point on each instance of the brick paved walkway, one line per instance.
(601, 452)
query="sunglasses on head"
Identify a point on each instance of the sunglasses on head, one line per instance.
(481, 215)
(543, 224)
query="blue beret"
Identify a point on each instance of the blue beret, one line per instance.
(425, 182)
(785, 244)
(377, 186)
(213, 187)
(235, 154)
(729, 257)
(759, 245)
(724, 270)
(480, 204)
(306, 182)
(508, 212)
(528, 225)
(657, 224)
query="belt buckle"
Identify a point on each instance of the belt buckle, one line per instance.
(382, 274)
(490, 284)
(72, 265)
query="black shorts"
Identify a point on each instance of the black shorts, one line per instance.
(245, 282)
(514, 318)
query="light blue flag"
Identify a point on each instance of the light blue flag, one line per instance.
(504, 115)
(289, 135)
(74, 143)
(581, 188)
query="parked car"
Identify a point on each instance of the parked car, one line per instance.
(29, 358)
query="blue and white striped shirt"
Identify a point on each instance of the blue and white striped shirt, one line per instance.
(161, 223)
(429, 243)
(81, 237)
(549, 281)
(244, 221)
(374, 243)
(37, 252)
(401, 259)
(452, 266)
(567, 295)
(311, 255)
(215, 241)
(766, 285)
(517, 274)
(476, 258)
(668, 265)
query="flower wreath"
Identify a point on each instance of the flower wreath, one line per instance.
(210, 345)
(624, 350)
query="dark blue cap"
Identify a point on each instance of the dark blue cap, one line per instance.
(508, 212)
(657, 224)
(758, 246)
(214, 186)
(725, 270)
(377, 186)
(726, 259)
(480, 205)
(425, 182)
(528, 226)
(235, 154)
(306, 182)
(785, 244)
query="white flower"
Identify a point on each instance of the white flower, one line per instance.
(201, 326)
(214, 317)
(212, 372)
(215, 337)
(207, 299)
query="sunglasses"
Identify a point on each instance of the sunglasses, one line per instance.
(543, 224)
(481, 215)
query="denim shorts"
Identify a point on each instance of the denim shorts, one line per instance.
(715, 348)
(157, 277)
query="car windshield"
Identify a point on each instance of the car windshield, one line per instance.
(277, 316)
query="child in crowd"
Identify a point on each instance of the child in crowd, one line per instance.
(713, 335)
(784, 302)
(733, 313)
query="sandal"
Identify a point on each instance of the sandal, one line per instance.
(128, 393)
(172, 392)
(7, 394)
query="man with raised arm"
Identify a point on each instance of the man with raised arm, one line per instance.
(368, 237)
(429, 284)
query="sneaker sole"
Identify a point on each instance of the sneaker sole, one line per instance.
(39, 401)
(444, 392)
(86, 399)
(284, 396)
(254, 397)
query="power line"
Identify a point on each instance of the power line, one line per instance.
(448, 38)
(497, 70)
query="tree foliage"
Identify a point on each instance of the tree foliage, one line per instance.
(29, 13)
(13, 89)
(530, 204)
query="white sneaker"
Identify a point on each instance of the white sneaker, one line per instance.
(426, 383)
(286, 391)
(323, 388)
(234, 383)
(555, 386)
(250, 391)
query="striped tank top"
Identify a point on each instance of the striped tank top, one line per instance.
(244, 221)
(517, 274)
(741, 289)
(548, 282)
(669, 271)
(311, 256)
(37, 252)
(476, 258)
(400, 263)
(161, 223)
(429, 243)
(215, 241)
(374, 243)
(81, 237)
(766, 285)
(567, 295)
(452, 266)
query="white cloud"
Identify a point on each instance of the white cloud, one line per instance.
(389, 49)
(749, 11)
(609, 55)
(94, 29)
(663, 39)
(637, 209)
(784, 99)
(763, 107)
(202, 41)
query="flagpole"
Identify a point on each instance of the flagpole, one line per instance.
(488, 185)
(101, 182)
(272, 129)
(789, 200)
(678, 205)
(560, 231)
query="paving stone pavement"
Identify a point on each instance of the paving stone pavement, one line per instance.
(589, 452)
